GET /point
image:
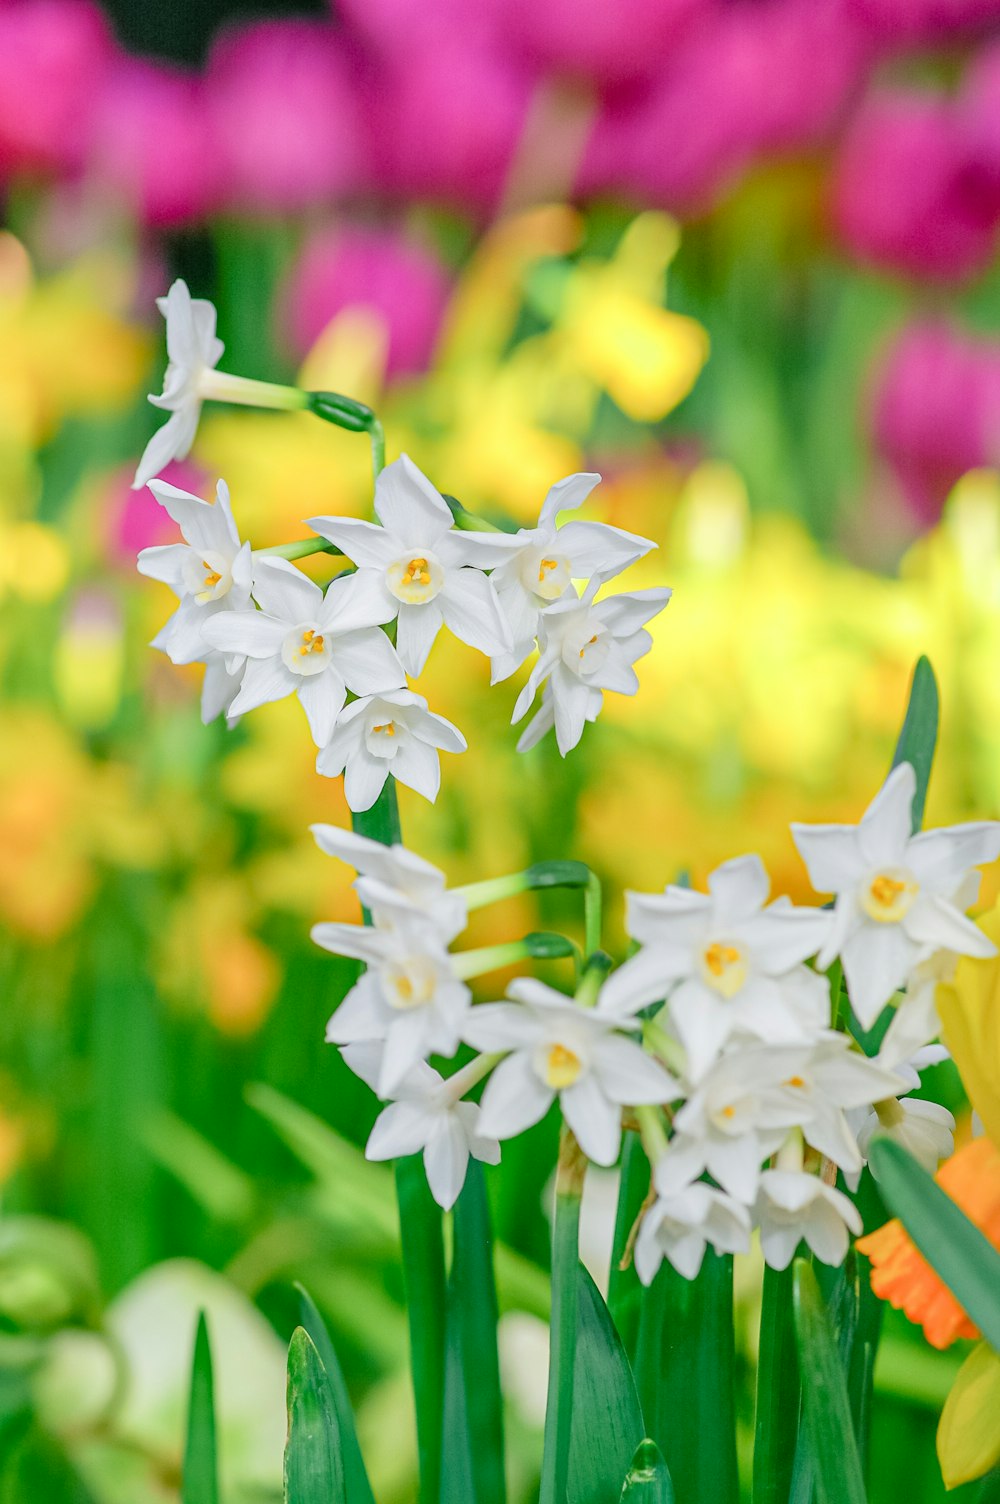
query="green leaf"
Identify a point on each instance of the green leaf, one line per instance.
(648, 1478)
(423, 1272)
(313, 1469)
(685, 1376)
(473, 1459)
(778, 1393)
(826, 1411)
(545, 945)
(952, 1245)
(624, 1288)
(558, 874)
(357, 1489)
(562, 1347)
(607, 1421)
(201, 1468)
(35, 1470)
(918, 736)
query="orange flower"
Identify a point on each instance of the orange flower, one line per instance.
(903, 1277)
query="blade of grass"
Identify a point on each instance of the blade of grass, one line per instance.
(563, 1326)
(648, 1478)
(778, 1392)
(918, 736)
(201, 1468)
(607, 1424)
(624, 1289)
(313, 1470)
(357, 1489)
(826, 1411)
(423, 1272)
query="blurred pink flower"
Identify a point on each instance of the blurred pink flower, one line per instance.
(395, 28)
(744, 83)
(915, 21)
(286, 115)
(401, 281)
(902, 193)
(53, 54)
(151, 142)
(134, 519)
(937, 411)
(607, 43)
(446, 122)
(978, 122)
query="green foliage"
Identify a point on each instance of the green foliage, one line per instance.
(357, 1488)
(314, 1472)
(778, 1392)
(562, 1347)
(648, 1478)
(201, 1469)
(826, 1411)
(424, 1275)
(607, 1421)
(918, 736)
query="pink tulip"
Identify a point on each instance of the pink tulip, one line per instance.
(607, 43)
(902, 192)
(937, 411)
(397, 279)
(978, 122)
(151, 143)
(285, 114)
(397, 28)
(53, 55)
(923, 21)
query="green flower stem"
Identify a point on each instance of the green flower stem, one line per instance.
(656, 1038)
(652, 1131)
(595, 969)
(556, 874)
(301, 549)
(219, 386)
(592, 903)
(470, 1075)
(562, 1330)
(469, 522)
(540, 945)
(354, 416)
(778, 1392)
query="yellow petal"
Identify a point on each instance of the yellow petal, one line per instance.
(969, 1009)
(968, 1438)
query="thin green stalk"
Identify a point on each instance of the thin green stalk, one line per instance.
(592, 904)
(562, 1330)
(300, 549)
(778, 1392)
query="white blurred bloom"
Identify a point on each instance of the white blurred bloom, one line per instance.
(392, 732)
(585, 648)
(307, 643)
(420, 570)
(925, 1129)
(391, 875)
(896, 892)
(193, 351)
(559, 1048)
(829, 1078)
(792, 1206)
(425, 1116)
(548, 559)
(409, 997)
(725, 962)
(678, 1227)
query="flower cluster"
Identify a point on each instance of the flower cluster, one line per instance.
(721, 1038)
(265, 631)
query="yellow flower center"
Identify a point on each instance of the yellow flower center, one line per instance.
(889, 894)
(795, 1081)
(312, 642)
(415, 579)
(416, 573)
(545, 568)
(724, 967)
(212, 576)
(387, 729)
(562, 1067)
(588, 644)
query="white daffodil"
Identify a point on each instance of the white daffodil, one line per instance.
(391, 875)
(559, 1048)
(585, 648)
(306, 643)
(925, 1129)
(409, 997)
(393, 732)
(548, 559)
(829, 1078)
(737, 1118)
(896, 892)
(191, 378)
(419, 570)
(727, 961)
(792, 1206)
(426, 1116)
(678, 1227)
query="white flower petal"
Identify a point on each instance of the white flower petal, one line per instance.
(416, 629)
(446, 1161)
(284, 591)
(400, 1129)
(514, 1098)
(264, 680)
(886, 825)
(472, 612)
(364, 777)
(368, 546)
(253, 634)
(596, 1122)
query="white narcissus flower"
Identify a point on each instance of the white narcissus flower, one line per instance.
(896, 892)
(726, 963)
(211, 571)
(409, 997)
(392, 732)
(585, 648)
(559, 1048)
(829, 1079)
(925, 1129)
(390, 876)
(306, 643)
(425, 1116)
(792, 1206)
(418, 569)
(193, 351)
(678, 1227)
(548, 559)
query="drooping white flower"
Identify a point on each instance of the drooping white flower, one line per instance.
(421, 571)
(548, 559)
(306, 643)
(925, 1129)
(727, 961)
(425, 1116)
(409, 997)
(559, 1048)
(792, 1206)
(585, 648)
(391, 732)
(679, 1226)
(735, 1119)
(895, 891)
(829, 1079)
(391, 875)
(211, 571)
